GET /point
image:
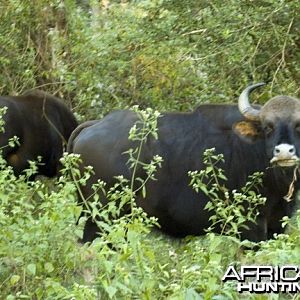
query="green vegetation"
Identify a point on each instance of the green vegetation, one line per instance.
(161, 53)
(237, 208)
(164, 54)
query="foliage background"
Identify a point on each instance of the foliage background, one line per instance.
(99, 56)
(166, 54)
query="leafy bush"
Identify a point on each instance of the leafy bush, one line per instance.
(231, 210)
(164, 54)
(38, 246)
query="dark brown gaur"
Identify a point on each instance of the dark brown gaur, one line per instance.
(252, 139)
(43, 123)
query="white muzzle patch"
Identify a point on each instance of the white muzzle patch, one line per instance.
(284, 155)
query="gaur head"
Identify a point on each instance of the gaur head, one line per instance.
(277, 122)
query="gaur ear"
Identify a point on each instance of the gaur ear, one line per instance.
(248, 131)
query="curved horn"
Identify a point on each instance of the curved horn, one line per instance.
(245, 107)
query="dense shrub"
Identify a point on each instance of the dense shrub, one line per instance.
(165, 54)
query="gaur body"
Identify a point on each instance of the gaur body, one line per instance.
(42, 123)
(251, 139)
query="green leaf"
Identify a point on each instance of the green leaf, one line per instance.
(204, 189)
(49, 267)
(222, 176)
(208, 206)
(14, 279)
(111, 290)
(31, 268)
(209, 169)
(191, 294)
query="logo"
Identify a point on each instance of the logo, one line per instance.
(264, 279)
